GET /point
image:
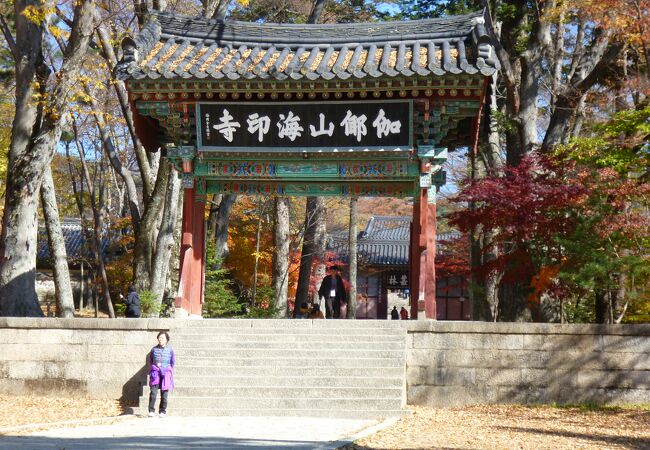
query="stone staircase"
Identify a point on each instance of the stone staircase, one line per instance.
(319, 368)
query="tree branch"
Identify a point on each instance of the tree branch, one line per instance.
(9, 37)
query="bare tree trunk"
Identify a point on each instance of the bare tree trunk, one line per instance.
(215, 9)
(115, 161)
(212, 216)
(600, 305)
(320, 243)
(165, 240)
(35, 133)
(122, 96)
(314, 214)
(257, 249)
(223, 217)
(316, 11)
(97, 226)
(351, 312)
(281, 256)
(147, 232)
(56, 240)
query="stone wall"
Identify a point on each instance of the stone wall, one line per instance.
(99, 358)
(448, 363)
(459, 363)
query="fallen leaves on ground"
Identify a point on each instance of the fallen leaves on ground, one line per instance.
(513, 427)
(27, 409)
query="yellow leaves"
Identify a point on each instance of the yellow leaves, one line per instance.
(57, 32)
(243, 3)
(39, 14)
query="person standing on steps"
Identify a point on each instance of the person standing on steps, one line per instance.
(161, 374)
(332, 290)
(403, 313)
(132, 303)
(394, 315)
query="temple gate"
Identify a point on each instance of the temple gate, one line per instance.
(364, 109)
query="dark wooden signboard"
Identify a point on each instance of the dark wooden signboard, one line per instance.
(309, 126)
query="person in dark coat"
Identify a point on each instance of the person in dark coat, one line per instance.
(394, 315)
(132, 303)
(332, 290)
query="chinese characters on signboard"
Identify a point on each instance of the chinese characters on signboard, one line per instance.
(397, 280)
(305, 125)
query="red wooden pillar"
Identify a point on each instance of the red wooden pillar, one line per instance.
(430, 265)
(192, 257)
(422, 256)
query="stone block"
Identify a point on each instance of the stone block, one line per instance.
(26, 370)
(4, 369)
(495, 341)
(426, 358)
(525, 328)
(12, 386)
(624, 361)
(439, 340)
(499, 377)
(543, 395)
(605, 396)
(627, 344)
(56, 386)
(452, 376)
(114, 337)
(125, 353)
(415, 376)
(543, 378)
(449, 396)
(497, 358)
(43, 352)
(619, 379)
(563, 342)
(34, 336)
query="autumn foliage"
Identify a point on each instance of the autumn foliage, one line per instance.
(564, 229)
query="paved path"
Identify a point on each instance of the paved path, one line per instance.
(198, 432)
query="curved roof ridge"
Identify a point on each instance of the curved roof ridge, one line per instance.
(255, 33)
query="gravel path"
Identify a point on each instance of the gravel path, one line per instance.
(476, 427)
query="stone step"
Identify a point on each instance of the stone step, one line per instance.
(288, 324)
(266, 380)
(186, 370)
(268, 412)
(299, 368)
(305, 403)
(315, 353)
(273, 392)
(287, 342)
(293, 362)
(202, 331)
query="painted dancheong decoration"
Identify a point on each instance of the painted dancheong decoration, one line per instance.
(366, 109)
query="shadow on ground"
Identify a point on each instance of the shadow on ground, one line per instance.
(597, 439)
(154, 442)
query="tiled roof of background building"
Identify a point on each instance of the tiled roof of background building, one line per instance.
(384, 242)
(77, 245)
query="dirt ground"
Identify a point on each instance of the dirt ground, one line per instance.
(514, 427)
(17, 411)
(476, 427)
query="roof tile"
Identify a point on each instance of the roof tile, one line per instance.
(173, 46)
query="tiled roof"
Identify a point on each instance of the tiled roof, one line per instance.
(384, 242)
(77, 245)
(172, 46)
